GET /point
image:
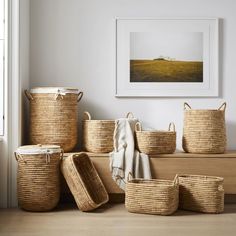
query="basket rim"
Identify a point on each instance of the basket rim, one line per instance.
(152, 182)
(202, 177)
(204, 110)
(155, 131)
(99, 121)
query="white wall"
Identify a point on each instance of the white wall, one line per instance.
(72, 44)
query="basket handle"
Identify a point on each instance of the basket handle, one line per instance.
(129, 115)
(61, 154)
(87, 115)
(18, 156)
(222, 107)
(171, 125)
(138, 126)
(28, 95)
(187, 106)
(176, 179)
(80, 95)
(130, 176)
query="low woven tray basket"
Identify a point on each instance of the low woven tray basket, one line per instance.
(201, 193)
(155, 142)
(204, 130)
(155, 196)
(84, 182)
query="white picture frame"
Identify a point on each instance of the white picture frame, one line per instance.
(208, 27)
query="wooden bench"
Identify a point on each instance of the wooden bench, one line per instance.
(166, 166)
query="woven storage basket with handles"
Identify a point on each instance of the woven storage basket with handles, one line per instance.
(155, 142)
(204, 130)
(98, 134)
(155, 196)
(84, 182)
(201, 193)
(38, 181)
(53, 116)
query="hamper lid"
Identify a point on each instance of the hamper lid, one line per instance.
(38, 149)
(57, 90)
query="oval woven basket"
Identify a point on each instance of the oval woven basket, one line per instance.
(84, 182)
(155, 142)
(38, 180)
(201, 193)
(155, 196)
(204, 130)
(53, 116)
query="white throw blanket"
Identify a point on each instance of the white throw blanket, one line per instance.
(125, 159)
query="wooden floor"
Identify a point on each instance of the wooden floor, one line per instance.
(115, 220)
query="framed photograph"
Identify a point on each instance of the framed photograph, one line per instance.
(166, 57)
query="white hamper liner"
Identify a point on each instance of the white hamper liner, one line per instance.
(38, 176)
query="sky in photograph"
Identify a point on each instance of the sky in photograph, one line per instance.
(187, 46)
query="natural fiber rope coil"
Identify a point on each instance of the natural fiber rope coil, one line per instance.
(204, 130)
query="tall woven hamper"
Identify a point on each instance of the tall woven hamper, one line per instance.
(201, 193)
(84, 182)
(38, 180)
(155, 141)
(204, 130)
(53, 116)
(155, 196)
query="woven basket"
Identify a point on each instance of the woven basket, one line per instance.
(38, 181)
(204, 130)
(155, 142)
(53, 116)
(201, 193)
(98, 134)
(159, 197)
(84, 182)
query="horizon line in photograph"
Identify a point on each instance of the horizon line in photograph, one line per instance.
(166, 57)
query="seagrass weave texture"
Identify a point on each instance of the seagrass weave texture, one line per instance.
(159, 197)
(53, 119)
(201, 193)
(38, 184)
(155, 142)
(84, 182)
(98, 134)
(204, 130)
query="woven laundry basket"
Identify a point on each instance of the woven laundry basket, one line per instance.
(204, 130)
(98, 134)
(155, 196)
(201, 193)
(53, 116)
(38, 181)
(155, 142)
(84, 182)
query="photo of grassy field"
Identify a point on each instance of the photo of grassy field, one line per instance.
(161, 70)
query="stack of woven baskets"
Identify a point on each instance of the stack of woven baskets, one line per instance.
(53, 122)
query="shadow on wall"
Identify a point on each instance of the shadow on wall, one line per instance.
(231, 134)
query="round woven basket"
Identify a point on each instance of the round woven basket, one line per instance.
(155, 142)
(155, 196)
(38, 180)
(201, 193)
(53, 116)
(97, 134)
(204, 130)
